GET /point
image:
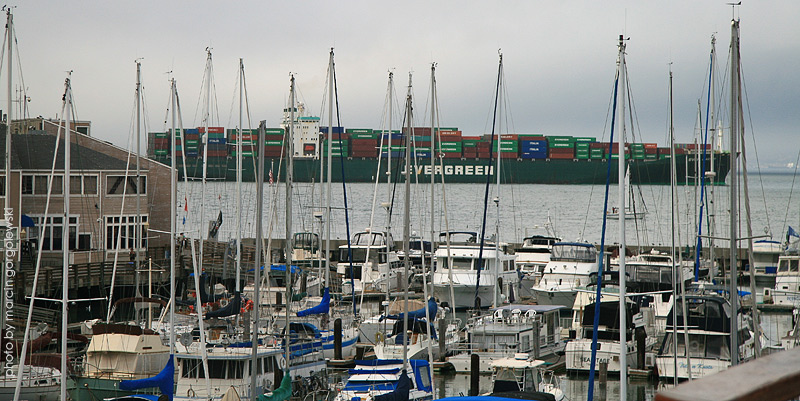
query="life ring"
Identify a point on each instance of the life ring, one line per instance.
(223, 302)
(282, 363)
(379, 337)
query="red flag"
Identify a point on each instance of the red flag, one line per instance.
(185, 204)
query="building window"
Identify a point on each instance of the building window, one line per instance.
(123, 229)
(83, 185)
(3, 186)
(82, 129)
(114, 185)
(37, 184)
(52, 234)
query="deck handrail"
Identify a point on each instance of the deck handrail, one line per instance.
(773, 377)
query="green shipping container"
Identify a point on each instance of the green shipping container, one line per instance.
(364, 136)
(562, 145)
(560, 139)
(273, 131)
(160, 152)
(579, 146)
(160, 135)
(585, 139)
(273, 143)
(359, 130)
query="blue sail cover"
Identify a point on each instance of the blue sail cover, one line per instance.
(322, 309)
(165, 380)
(400, 393)
(417, 314)
(233, 307)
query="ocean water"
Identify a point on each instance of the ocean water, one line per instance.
(573, 212)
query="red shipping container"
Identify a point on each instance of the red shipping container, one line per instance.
(364, 147)
(422, 144)
(356, 141)
(562, 151)
(337, 136)
(680, 151)
(560, 156)
(651, 146)
(664, 151)
(651, 151)
(471, 138)
(599, 145)
(217, 153)
(273, 137)
(532, 138)
(513, 137)
(447, 134)
(484, 145)
(213, 130)
(159, 141)
(451, 155)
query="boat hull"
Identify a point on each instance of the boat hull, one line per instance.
(471, 170)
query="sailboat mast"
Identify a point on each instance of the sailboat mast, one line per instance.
(65, 237)
(433, 160)
(260, 149)
(288, 241)
(389, 177)
(257, 271)
(734, 174)
(137, 239)
(497, 268)
(205, 154)
(406, 223)
(330, 170)
(675, 273)
(173, 211)
(7, 197)
(711, 121)
(623, 332)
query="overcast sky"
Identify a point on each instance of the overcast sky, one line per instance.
(559, 59)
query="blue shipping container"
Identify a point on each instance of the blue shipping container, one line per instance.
(423, 155)
(534, 149)
(218, 141)
(192, 131)
(336, 130)
(398, 153)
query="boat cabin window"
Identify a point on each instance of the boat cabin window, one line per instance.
(360, 255)
(574, 253)
(416, 245)
(700, 346)
(793, 265)
(783, 266)
(217, 369)
(461, 263)
(370, 239)
(306, 241)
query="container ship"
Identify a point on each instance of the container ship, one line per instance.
(357, 152)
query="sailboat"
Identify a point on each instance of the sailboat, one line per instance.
(628, 211)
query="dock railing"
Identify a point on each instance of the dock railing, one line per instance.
(775, 377)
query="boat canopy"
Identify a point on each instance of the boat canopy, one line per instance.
(575, 251)
(164, 380)
(322, 309)
(417, 314)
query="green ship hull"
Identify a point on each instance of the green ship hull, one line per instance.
(512, 171)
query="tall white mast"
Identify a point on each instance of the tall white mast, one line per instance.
(173, 211)
(65, 237)
(257, 270)
(623, 332)
(406, 222)
(330, 170)
(7, 197)
(260, 149)
(137, 238)
(288, 241)
(497, 268)
(206, 118)
(735, 116)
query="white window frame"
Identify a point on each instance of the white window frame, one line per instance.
(112, 225)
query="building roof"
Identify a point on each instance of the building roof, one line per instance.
(36, 151)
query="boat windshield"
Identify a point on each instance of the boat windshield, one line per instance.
(578, 253)
(360, 255)
(307, 241)
(700, 346)
(369, 239)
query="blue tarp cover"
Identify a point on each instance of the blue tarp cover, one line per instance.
(165, 380)
(322, 309)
